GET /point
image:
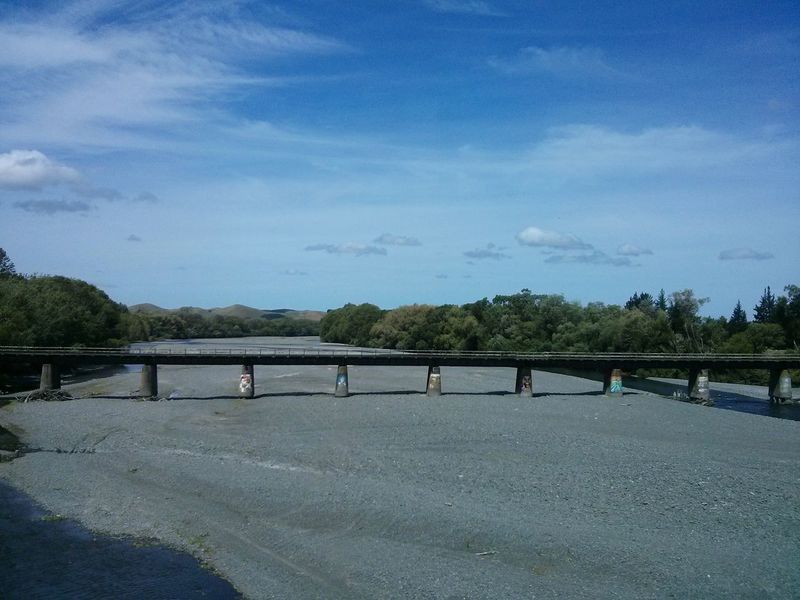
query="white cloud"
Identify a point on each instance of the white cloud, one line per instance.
(51, 207)
(594, 258)
(562, 61)
(30, 169)
(591, 150)
(491, 252)
(348, 248)
(388, 239)
(533, 236)
(474, 7)
(744, 254)
(632, 250)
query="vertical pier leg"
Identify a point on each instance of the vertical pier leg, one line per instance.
(342, 388)
(524, 384)
(149, 382)
(434, 386)
(247, 382)
(51, 377)
(780, 386)
(698, 387)
(612, 383)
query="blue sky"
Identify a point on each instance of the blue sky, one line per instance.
(309, 154)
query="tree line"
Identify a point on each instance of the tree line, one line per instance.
(37, 310)
(528, 322)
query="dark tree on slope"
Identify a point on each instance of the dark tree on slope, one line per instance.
(643, 302)
(764, 311)
(738, 320)
(6, 266)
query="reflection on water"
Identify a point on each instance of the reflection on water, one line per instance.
(756, 406)
(44, 556)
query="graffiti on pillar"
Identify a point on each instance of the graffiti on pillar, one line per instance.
(616, 386)
(527, 383)
(341, 379)
(245, 383)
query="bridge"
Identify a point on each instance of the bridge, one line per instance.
(611, 365)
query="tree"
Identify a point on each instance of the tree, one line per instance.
(661, 303)
(683, 313)
(6, 266)
(764, 311)
(738, 321)
(643, 302)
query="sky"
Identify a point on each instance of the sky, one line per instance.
(312, 153)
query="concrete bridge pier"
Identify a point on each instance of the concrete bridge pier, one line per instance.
(342, 389)
(51, 377)
(149, 382)
(698, 387)
(780, 386)
(524, 384)
(247, 382)
(434, 385)
(612, 383)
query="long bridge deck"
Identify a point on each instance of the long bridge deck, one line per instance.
(380, 357)
(611, 364)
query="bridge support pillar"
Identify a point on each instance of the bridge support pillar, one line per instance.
(524, 384)
(247, 382)
(699, 392)
(434, 385)
(51, 377)
(342, 388)
(149, 382)
(780, 386)
(612, 383)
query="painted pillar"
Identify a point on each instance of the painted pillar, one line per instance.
(434, 386)
(780, 386)
(612, 383)
(51, 377)
(247, 382)
(149, 382)
(342, 388)
(524, 384)
(698, 386)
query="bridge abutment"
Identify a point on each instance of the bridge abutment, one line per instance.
(342, 383)
(434, 384)
(149, 381)
(612, 383)
(780, 386)
(247, 382)
(524, 383)
(51, 377)
(699, 391)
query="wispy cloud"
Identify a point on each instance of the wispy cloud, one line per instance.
(563, 62)
(349, 248)
(89, 79)
(594, 258)
(632, 250)
(533, 236)
(491, 252)
(441, 276)
(472, 7)
(145, 197)
(388, 239)
(294, 273)
(32, 170)
(51, 207)
(133, 238)
(744, 254)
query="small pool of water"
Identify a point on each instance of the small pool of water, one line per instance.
(43, 556)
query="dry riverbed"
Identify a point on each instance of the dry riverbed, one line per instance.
(390, 494)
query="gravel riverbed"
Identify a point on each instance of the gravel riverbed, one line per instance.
(391, 494)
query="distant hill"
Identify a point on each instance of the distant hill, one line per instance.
(236, 310)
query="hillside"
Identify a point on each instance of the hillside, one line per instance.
(235, 310)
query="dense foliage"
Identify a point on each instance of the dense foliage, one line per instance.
(541, 323)
(58, 311)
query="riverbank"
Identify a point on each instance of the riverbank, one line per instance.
(477, 493)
